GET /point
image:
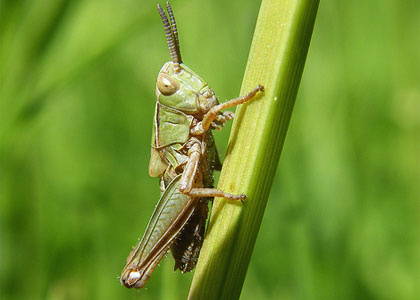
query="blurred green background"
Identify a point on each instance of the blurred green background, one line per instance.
(76, 105)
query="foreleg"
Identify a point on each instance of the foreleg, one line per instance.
(212, 114)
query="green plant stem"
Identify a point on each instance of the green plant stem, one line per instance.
(276, 60)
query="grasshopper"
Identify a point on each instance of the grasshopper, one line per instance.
(183, 157)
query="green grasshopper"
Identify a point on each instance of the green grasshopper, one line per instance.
(183, 156)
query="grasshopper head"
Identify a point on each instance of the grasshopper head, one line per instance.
(177, 85)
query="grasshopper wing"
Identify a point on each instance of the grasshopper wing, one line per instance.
(168, 219)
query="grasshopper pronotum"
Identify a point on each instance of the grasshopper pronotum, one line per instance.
(184, 157)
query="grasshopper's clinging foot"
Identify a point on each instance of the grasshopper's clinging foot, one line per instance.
(216, 110)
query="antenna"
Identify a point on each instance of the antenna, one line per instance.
(171, 33)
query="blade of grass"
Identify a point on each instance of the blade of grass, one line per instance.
(276, 60)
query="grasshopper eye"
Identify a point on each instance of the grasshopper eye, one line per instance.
(166, 85)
